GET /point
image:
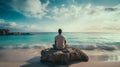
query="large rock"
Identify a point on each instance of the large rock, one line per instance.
(64, 56)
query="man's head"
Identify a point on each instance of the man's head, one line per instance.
(59, 31)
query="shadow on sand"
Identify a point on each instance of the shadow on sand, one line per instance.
(35, 62)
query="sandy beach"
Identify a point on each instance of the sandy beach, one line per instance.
(31, 58)
(87, 64)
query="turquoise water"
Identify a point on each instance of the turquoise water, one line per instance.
(89, 41)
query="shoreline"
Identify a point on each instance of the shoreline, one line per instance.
(31, 58)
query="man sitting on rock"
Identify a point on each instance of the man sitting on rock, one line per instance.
(60, 42)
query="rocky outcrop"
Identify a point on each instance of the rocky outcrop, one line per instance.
(4, 31)
(64, 56)
(7, 32)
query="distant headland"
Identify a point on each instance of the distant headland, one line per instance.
(7, 32)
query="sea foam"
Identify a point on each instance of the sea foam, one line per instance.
(81, 46)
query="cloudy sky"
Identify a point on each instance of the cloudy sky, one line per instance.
(70, 15)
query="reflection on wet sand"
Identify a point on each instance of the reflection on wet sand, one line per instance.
(105, 58)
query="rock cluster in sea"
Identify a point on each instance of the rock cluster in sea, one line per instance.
(64, 56)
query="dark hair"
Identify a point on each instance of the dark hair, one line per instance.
(59, 31)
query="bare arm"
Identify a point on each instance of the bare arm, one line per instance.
(65, 42)
(55, 42)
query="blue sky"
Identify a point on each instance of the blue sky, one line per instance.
(70, 15)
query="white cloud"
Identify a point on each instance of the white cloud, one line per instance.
(76, 12)
(14, 27)
(87, 17)
(3, 24)
(30, 8)
(70, 18)
(12, 24)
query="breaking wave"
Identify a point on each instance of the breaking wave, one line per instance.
(25, 46)
(100, 46)
(83, 46)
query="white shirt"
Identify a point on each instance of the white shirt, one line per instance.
(60, 41)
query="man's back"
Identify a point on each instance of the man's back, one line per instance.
(60, 41)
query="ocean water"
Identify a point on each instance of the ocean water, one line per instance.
(105, 45)
(85, 41)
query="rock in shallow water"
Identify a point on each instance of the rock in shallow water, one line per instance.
(64, 56)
